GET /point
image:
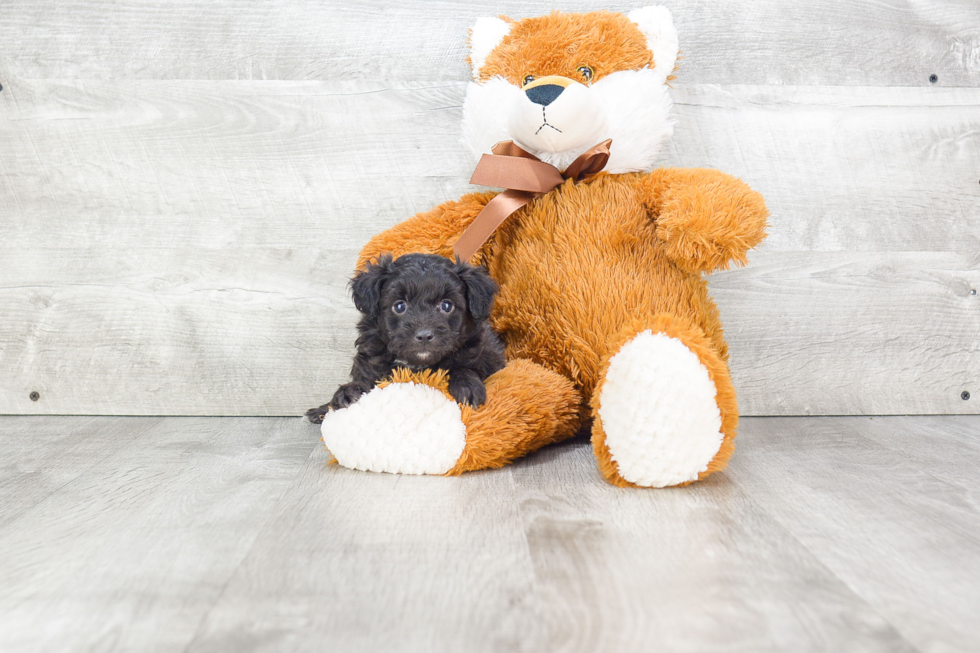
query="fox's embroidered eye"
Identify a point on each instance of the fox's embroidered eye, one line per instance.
(528, 79)
(399, 307)
(586, 73)
(446, 306)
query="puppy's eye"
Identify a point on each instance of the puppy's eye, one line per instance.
(446, 306)
(399, 307)
(586, 73)
(528, 79)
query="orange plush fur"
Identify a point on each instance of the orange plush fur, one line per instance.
(508, 424)
(587, 266)
(558, 44)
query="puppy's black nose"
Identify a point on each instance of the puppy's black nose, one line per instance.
(424, 336)
(544, 94)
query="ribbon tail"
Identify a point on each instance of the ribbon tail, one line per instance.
(486, 222)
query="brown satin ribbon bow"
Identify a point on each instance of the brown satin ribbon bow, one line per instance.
(525, 177)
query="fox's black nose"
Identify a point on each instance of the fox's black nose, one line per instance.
(544, 94)
(424, 336)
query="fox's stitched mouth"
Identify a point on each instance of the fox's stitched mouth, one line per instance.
(544, 116)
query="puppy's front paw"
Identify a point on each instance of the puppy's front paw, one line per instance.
(315, 415)
(467, 389)
(348, 394)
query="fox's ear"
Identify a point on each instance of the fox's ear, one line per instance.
(485, 35)
(657, 25)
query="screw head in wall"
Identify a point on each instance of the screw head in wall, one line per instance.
(933, 78)
(35, 395)
(965, 395)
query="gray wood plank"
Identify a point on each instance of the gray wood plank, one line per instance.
(354, 562)
(866, 169)
(227, 535)
(270, 332)
(701, 568)
(165, 331)
(375, 562)
(220, 164)
(131, 553)
(853, 333)
(888, 504)
(183, 247)
(41, 457)
(765, 42)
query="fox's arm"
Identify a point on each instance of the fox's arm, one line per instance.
(432, 232)
(705, 218)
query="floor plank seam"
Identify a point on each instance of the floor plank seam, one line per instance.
(819, 561)
(273, 515)
(120, 444)
(534, 593)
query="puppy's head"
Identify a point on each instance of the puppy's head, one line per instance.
(423, 306)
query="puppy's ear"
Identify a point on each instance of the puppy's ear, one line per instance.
(480, 289)
(366, 285)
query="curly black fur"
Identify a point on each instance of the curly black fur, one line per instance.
(422, 312)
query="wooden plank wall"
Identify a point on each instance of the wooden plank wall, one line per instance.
(184, 186)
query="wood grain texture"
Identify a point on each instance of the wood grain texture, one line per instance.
(131, 552)
(209, 164)
(226, 534)
(379, 562)
(702, 568)
(183, 247)
(57, 452)
(824, 42)
(271, 332)
(853, 333)
(163, 331)
(888, 505)
(858, 169)
(214, 165)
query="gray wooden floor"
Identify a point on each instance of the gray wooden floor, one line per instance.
(233, 534)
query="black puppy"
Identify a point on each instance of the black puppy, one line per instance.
(422, 311)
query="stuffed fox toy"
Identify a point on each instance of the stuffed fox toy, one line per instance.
(602, 305)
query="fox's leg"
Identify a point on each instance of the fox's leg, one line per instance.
(411, 425)
(664, 412)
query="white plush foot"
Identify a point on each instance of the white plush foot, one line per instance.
(403, 428)
(658, 410)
